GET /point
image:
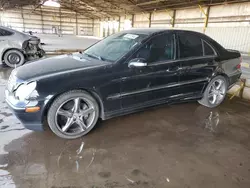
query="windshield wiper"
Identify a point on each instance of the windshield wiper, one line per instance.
(95, 56)
(99, 57)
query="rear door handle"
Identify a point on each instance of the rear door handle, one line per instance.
(123, 79)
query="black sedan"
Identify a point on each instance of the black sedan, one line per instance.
(124, 73)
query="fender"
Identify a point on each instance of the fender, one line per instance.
(7, 49)
(218, 71)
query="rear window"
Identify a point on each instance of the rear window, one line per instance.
(190, 45)
(4, 32)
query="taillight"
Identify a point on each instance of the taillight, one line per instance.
(238, 66)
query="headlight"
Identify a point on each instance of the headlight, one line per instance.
(25, 90)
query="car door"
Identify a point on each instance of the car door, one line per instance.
(4, 34)
(156, 82)
(4, 37)
(197, 58)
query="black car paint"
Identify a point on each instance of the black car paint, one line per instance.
(117, 88)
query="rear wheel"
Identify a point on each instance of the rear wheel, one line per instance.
(14, 58)
(73, 114)
(215, 92)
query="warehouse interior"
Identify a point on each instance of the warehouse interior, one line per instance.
(177, 146)
(219, 19)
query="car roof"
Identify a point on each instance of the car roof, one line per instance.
(152, 31)
(146, 31)
(14, 31)
(7, 28)
(149, 31)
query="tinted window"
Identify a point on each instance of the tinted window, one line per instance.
(190, 45)
(115, 46)
(207, 49)
(4, 32)
(160, 48)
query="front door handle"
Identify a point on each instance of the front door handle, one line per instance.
(174, 69)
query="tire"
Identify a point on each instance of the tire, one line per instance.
(56, 119)
(208, 96)
(13, 58)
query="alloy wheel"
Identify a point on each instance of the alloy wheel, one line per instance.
(217, 91)
(75, 116)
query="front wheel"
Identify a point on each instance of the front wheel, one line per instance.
(215, 92)
(73, 114)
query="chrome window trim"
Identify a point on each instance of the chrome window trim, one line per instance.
(182, 59)
(215, 53)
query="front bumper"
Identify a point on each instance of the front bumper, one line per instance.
(32, 121)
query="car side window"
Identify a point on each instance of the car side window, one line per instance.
(190, 45)
(4, 32)
(208, 50)
(159, 48)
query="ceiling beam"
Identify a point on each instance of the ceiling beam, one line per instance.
(86, 15)
(119, 7)
(38, 5)
(149, 2)
(182, 4)
(100, 10)
(111, 8)
(190, 4)
(134, 4)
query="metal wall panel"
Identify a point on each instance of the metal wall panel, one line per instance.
(232, 37)
(190, 13)
(141, 21)
(46, 20)
(238, 9)
(96, 27)
(161, 19)
(237, 38)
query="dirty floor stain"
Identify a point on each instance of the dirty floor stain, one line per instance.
(183, 145)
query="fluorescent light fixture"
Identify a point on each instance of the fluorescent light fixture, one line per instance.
(51, 3)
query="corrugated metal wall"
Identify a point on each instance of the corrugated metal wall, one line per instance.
(47, 20)
(161, 19)
(141, 21)
(227, 24)
(125, 22)
(231, 38)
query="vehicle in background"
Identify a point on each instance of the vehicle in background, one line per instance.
(16, 48)
(124, 73)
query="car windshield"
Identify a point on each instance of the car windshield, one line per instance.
(114, 47)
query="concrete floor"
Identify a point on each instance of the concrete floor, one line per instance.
(184, 145)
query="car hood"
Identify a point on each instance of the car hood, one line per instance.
(62, 64)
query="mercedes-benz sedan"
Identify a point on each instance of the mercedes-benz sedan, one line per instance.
(124, 73)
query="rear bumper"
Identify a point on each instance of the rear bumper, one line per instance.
(32, 121)
(233, 78)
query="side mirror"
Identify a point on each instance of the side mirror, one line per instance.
(139, 62)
